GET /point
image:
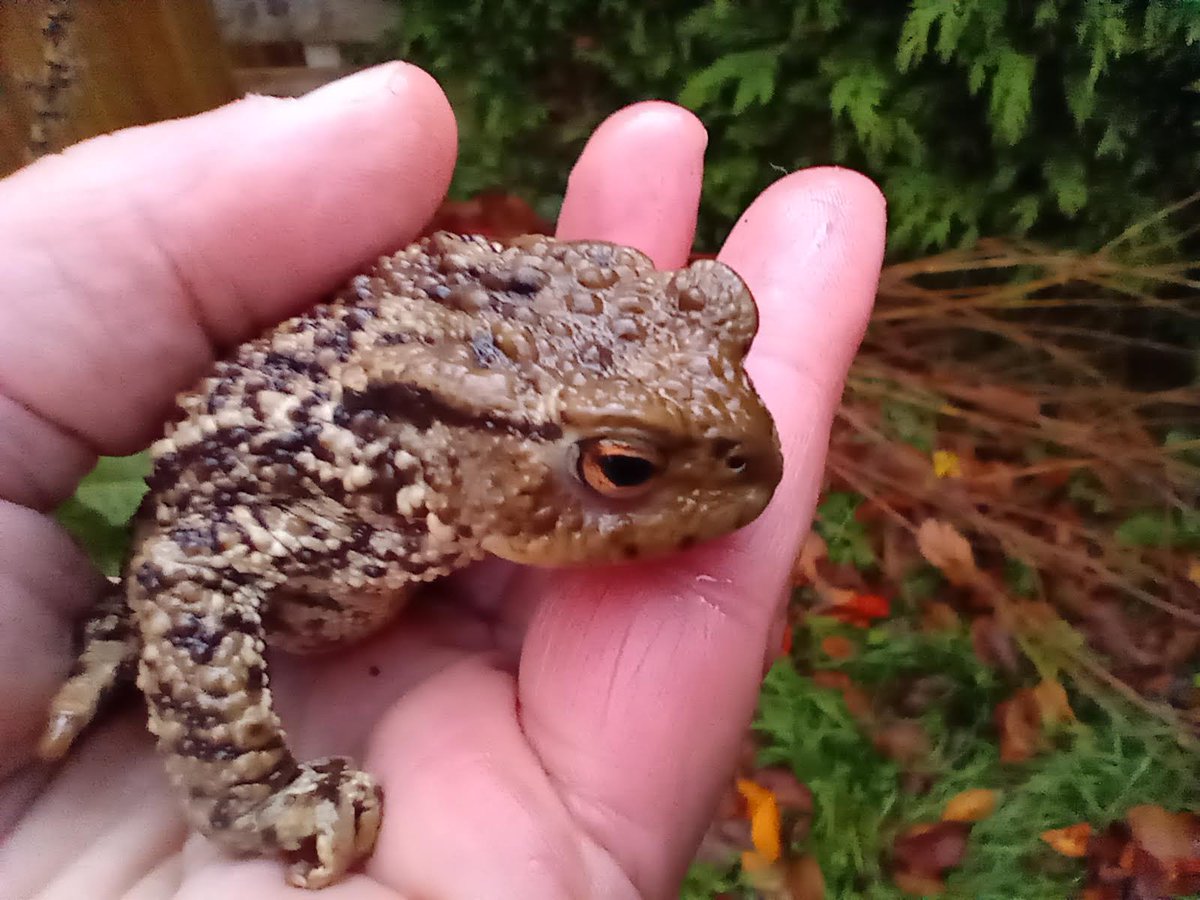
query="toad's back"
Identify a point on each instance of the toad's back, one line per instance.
(547, 402)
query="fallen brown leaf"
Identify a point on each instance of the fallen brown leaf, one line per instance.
(804, 879)
(947, 550)
(904, 741)
(1070, 841)
(1167, 836)
(931, 849)
(970, 806)
(837, 646)
(788, 790)
(918, 885)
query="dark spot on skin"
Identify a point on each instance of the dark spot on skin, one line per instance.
(373, 570)
(687, 541)
(631, 551)
(193, 540)
(296, 364)
(284, 772)
(423, 408)
(338, 341)
(221, 816)
(193, 635)
(484, 348)
(527, 280)
(235, 619)
(393, 338)
(149, 576)
(373, 671)
(199, 747)
(256, 677)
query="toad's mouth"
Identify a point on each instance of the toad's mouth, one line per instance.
(630, 541)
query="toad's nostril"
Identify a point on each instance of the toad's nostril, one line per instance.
(737, 463)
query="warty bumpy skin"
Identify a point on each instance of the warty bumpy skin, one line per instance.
(548, 402)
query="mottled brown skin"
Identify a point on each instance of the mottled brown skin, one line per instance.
(434, 411)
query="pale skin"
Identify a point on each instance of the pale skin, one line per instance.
(538, 734)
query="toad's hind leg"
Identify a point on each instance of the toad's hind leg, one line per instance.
(106, 662)
(205, 680)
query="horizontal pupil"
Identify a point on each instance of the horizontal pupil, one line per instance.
(626, 471)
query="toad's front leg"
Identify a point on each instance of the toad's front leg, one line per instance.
(205, 679)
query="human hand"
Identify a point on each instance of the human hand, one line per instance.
(537, 733)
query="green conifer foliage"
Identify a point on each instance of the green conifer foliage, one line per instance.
(1065, 119)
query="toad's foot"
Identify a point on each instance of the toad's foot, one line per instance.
(324, 821)
(106, 662)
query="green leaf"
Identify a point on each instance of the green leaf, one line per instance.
(98, 514)
(1080, 92)
(706, 880)
(1022, 579)
(1067, 181)
(854, 788)
(846, 538)
(754, 71)
(1012, 94)
(1166, 528)
(858, 95)
(1185, 443)
(1112, 144)
(921, 583)
(912, 424)
(1025, 212)
(114, 488)
(1046, 14)
(914, 35)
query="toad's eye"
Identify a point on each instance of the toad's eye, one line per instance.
(618, 469)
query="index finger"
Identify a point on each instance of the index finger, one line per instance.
(637, 683)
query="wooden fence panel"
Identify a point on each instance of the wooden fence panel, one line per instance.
(305, 21)
(71, 69)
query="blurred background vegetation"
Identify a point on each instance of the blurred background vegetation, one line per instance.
(1001, 598)
(1061, 119)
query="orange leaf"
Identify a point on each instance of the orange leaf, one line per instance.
(1052, 704)
(1165, 835)
(753, 861)
(837, 647)
(787, 641)
(1019, 727)
(970, 806)
(765, 821)
(919, 885)
(947, 550)
(805, 881)
(860, 609)
(804, 571)
(939, 616)
(1070, 841)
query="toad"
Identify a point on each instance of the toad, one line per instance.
(548, 402)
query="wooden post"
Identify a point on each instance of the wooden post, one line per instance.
(72, 69)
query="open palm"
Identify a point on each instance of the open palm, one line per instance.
(538, 734)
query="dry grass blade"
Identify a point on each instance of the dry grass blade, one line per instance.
(1054, 377)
